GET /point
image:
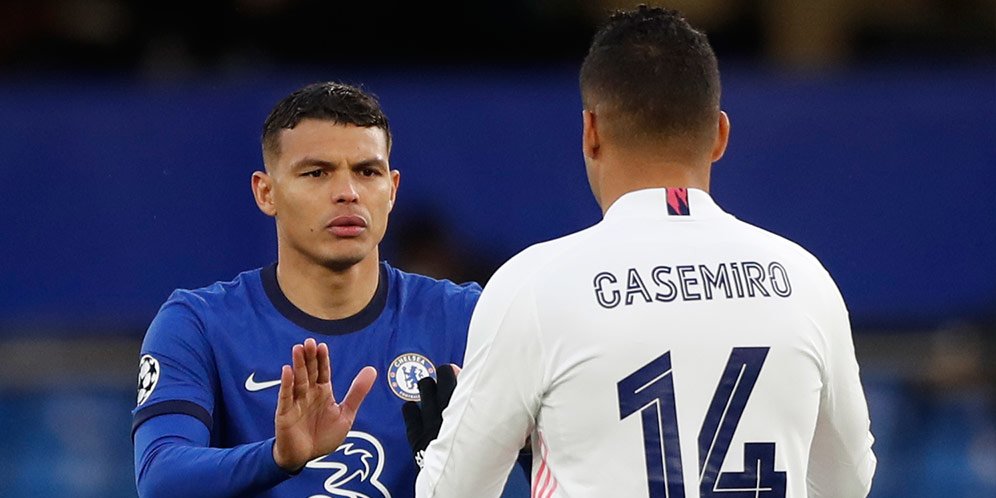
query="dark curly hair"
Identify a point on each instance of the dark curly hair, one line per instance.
(653, 70)
(328, 101)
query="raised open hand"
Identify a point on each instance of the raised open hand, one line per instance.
(308, 421)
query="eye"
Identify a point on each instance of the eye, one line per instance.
(370, 172)
(314, 173)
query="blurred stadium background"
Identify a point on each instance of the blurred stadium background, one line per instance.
(866, 131)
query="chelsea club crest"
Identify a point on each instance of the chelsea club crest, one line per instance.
(405, 372)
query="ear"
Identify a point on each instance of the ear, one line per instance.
(262, 191)
(395, 181)
(722, 137)
(589, 136)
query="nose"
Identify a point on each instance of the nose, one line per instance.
(345, 192)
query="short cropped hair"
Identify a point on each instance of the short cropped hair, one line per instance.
(328, 101)
(654, 71)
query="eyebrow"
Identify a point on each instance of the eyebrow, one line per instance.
(309, 162)
(321, 163)
(372, 162)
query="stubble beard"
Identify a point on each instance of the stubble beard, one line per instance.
(340, 264)
(343, 258)
(336, 260)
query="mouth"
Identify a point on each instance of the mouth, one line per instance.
(347, 226)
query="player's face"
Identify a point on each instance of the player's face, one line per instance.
(331, 191)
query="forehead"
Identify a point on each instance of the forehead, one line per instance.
(331, 142)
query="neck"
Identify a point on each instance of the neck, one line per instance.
(623, 175)
(322, 292)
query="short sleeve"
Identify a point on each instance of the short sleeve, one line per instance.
(177, 371)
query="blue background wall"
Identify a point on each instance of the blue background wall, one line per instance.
(116, 192)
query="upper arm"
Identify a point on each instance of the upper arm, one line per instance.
(494, 405)
(172, 427)
(841, 462)
(177, 370)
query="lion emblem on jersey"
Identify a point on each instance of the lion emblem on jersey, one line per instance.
(405, 372)
(356, 466)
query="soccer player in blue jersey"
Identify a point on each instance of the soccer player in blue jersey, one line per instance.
(237, 379)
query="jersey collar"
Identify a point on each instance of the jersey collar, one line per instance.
(359, 321)
(678, 205)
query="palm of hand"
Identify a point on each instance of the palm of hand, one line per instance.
(308, 422)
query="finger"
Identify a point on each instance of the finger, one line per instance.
(324, 364)
(285, 398)
(331, 385)
(358, 391)
(300, 371)
(429, 399)
(445, 384)
(311, 360)
(456, 369)
(413, 421)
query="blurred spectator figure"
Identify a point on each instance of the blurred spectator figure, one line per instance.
(63, 34)
(424, 243)
(955, 417)
(933, 401)
(829, 33)
(168, 38)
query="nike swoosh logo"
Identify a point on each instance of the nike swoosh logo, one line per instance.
(253, 386)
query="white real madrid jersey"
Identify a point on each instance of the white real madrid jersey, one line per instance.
(669, 351)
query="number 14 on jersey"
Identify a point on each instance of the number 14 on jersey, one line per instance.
(650, 392)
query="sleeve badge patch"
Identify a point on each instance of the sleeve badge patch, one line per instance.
(148, 377)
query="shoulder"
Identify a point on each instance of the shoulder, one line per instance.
(422, 288)
(531, 267)
(789, 250)
(536, 260)
(218, 294)
(188, 313)
(508, 301)
(810, 279)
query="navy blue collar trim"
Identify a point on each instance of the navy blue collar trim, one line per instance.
(347, 325)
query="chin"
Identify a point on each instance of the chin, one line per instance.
(342, 262)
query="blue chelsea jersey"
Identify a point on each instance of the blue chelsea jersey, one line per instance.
(215, 353)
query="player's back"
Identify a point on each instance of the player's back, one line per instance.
(683, 351)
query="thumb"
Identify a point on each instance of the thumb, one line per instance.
(358, 391)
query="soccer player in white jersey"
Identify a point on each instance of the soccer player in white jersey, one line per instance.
(671, 350)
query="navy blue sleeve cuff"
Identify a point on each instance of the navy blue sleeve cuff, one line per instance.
(173, 406)
(278, 468)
